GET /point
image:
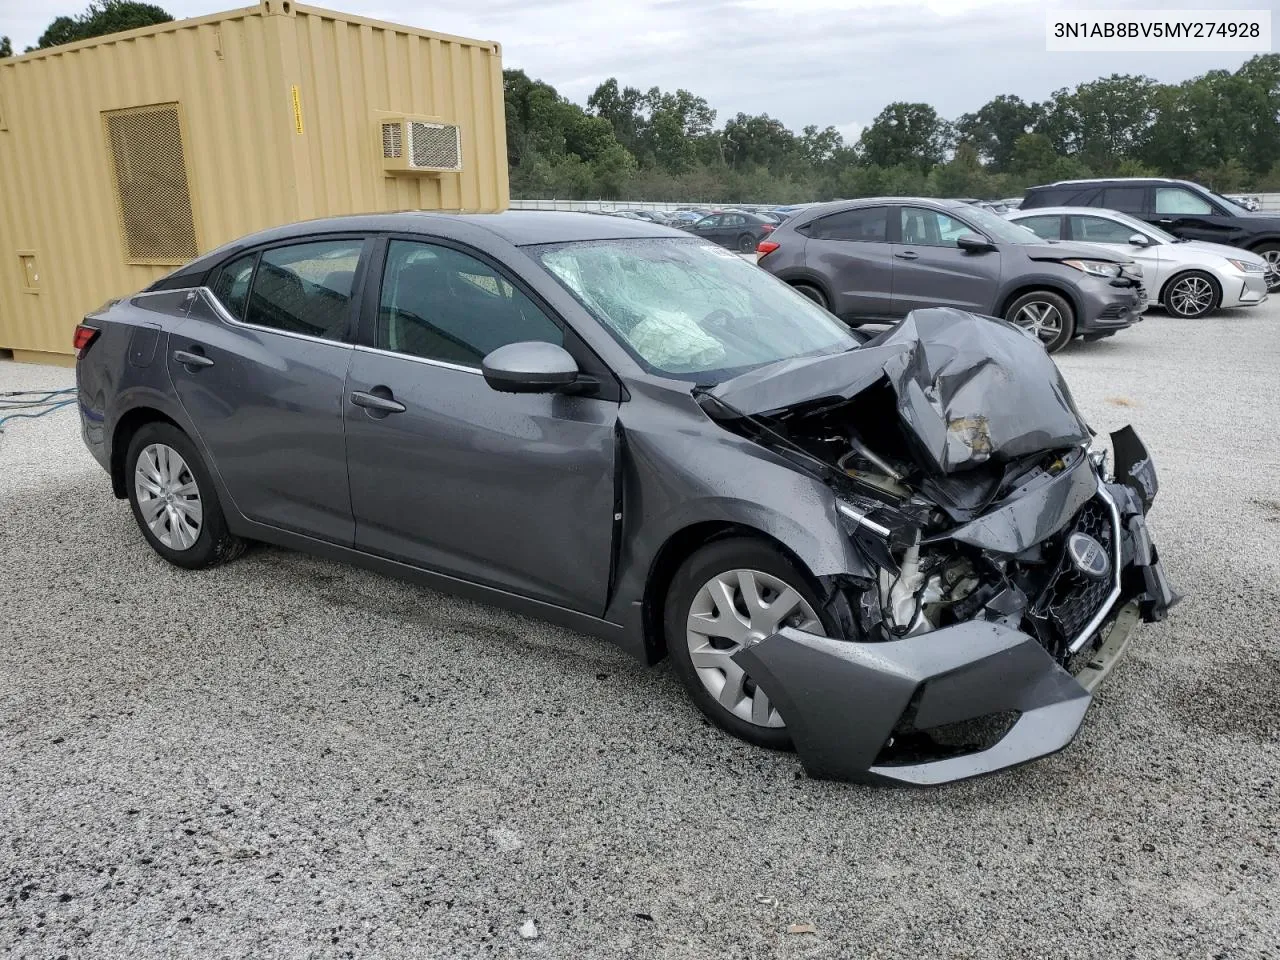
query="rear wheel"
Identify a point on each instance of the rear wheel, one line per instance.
(1047, 315)
(1192, 295)
(746, 243)
(813, 293)
(174, 501)
(1270, 252)
(727, 596)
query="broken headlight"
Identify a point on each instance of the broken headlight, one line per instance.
(1095, 268)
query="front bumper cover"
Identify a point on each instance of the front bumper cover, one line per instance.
(846, 702)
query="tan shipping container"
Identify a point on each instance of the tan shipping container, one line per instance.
(126, 155)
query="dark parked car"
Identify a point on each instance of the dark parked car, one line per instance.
(735, 229)
(853, 549)
(879, 259)
(1180, 207)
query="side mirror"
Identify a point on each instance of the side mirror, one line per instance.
(1139, 240)
(973, 243)
(530, 367)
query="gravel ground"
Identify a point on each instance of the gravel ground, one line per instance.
(291, 757)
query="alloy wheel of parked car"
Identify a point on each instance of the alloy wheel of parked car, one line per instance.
(173, 499)
(1045, 314)
(729, 595)
(168, 496)
(1271, 254)
(1191, 295)
(733, 610)
(746, 243)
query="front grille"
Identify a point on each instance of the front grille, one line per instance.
(1070, 599)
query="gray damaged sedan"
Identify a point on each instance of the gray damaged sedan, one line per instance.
(904, 557)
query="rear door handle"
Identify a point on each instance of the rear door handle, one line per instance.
(907, 255)
(371, 401)
(1165, 221)
(189, 359)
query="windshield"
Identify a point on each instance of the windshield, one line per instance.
(997, 227)
(692, 311)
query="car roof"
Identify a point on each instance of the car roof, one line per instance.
(815, 211)
(1117, 181)
(518, 227)
(1069, 211)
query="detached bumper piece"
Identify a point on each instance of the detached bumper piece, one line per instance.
(979, 696)
(846, 704)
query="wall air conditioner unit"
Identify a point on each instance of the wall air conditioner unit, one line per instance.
(419, 145)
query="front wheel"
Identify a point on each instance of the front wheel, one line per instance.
(727, 596)
(1270, 252)
(174, 501)
(1192, 295)
(1047, 315)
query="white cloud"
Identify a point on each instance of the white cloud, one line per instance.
(802, 61)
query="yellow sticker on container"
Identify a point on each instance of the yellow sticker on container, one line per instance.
(297, 109)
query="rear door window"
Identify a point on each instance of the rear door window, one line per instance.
(305, 288)
(1125, 199)
(232, 285)
(865, 224)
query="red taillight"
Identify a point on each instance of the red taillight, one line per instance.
(764, 248)
(84, 336)
(766, 228)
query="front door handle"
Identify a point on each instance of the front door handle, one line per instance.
(379, 404)
(192, 360)
(1166, 221)
(907, 255)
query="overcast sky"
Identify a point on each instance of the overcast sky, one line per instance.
(803, 61)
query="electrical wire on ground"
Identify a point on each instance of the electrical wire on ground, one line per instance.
(30, 404)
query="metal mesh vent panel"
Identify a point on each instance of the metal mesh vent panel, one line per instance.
(149, 176)
(434, 145)
(392, 148)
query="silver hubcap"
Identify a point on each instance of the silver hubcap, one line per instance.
(1190, 296)
(168, 497)
(1273, 268)
(734, 610)
(1042, 319)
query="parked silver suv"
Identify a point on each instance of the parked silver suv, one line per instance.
(879, 259)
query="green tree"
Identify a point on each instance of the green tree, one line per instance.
(906, 134)
(1103, 121)
(109, 16)
(758, 140)
(623, 108)
(6, 47)
(996, 126)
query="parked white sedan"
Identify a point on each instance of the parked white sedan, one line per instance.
(1189, 278)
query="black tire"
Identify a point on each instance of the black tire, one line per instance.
(213, 543)
(813, 293)
(1270, 252)
(1067, 326)
(703, 565)
(746, 243)
(1183, 309)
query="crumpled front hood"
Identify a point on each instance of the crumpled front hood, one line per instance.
(969, 388)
